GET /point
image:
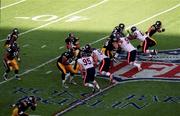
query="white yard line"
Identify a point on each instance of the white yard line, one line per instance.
(12, 4)
(57, 20)
(43, 46)
(48, 72)
(43, 64)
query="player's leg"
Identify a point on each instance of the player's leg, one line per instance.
(88, 79)
(73, 71)
(15, 112)
(15, 66)
(132, 58)
(64, 74)
(7, 69)
(104, 68)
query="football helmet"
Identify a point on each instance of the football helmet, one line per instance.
(133, 29)
(158, 23)
(15, 31)
(121, 26)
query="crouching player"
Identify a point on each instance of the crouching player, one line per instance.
(9, 61)
(125, 44)
(87, 69)
(65, 66)
(23, 104)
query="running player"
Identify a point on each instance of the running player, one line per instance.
(147, 42)
(9, 61)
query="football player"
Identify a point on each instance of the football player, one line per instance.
(108, 48)
(23, 105)
(9, 61)
(72, 41)
(125, 44)
(157, 27)
(11, 39)
(146, 40)
(103, 60)
(118, 30)
(87, 69)
(65, 66)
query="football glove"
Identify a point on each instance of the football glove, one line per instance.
(163, 29)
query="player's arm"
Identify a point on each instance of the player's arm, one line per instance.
(150, 29)
(161, 30)
(65, 60)
(95, 59)
(82, 70)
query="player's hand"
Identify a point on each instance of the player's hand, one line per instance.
(163, 29)
(8, 62)
(19, 59)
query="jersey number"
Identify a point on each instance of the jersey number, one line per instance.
(86, 61)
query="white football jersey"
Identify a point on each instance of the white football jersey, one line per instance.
(86, 62)
(99, 54)
(126, 45)
(139, 35)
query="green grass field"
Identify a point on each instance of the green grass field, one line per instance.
(44, 24)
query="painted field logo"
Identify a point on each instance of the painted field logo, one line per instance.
(164, 65)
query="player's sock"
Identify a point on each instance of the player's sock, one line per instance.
(71, 80)
(136, 65)
(67, 76)
(16, 75)
(96, 85)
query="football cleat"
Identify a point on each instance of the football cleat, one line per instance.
(155, 52)
(5, 76)
(65, 86)
(73, 82)
(17, 77)
(93, 90)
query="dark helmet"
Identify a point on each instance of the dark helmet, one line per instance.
(133, 28)
(15, 30)
(158, 23)
(71, 35)
(87, 47)
(83, 53)
(121, 26)
(32, 99)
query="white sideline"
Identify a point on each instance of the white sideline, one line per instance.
(41, 65)
(12, 4)
(57, 20)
